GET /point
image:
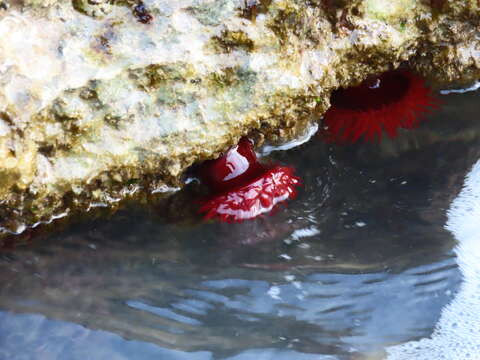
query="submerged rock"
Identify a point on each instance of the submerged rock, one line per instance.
(103, 99)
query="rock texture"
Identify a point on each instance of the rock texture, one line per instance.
(103, 99)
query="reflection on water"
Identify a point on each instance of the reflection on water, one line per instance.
(358, 262)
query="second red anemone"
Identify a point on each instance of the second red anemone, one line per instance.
(394, 100)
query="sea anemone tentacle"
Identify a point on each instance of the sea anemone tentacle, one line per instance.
(260, 196)
(395, 100)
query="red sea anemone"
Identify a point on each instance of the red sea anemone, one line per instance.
(395, 99)
(243, 188)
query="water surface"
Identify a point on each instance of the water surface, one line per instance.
(358, 262)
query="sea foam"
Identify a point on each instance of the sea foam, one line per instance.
(457, 333)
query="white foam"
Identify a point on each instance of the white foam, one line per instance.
(474, 87)
(309, 132)
(457, 333)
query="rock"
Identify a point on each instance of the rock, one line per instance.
(103, 99)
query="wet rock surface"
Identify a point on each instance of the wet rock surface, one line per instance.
(105, 100)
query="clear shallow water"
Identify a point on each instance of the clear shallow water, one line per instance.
(358, 262)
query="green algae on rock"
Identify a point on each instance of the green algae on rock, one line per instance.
(96, 105)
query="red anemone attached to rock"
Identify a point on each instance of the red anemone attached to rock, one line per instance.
(396, 99)
(242, 187)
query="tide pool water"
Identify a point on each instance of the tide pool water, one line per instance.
(377, 258)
